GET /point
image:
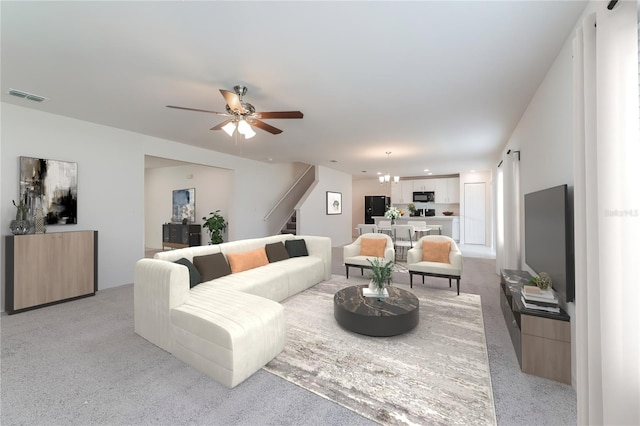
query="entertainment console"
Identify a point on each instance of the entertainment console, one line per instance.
(542, 340)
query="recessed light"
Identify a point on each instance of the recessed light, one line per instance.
(429, 174)
(473, 171)
(426, 170)
(333, 161)
(364, 171)
(379, 173)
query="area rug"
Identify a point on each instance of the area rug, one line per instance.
(436, 374)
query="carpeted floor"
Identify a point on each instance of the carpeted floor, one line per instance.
(436, 374)
(80, 363)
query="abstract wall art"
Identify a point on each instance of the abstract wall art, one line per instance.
(184, 205)
(51, 185)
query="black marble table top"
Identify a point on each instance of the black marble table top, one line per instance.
(395, 314)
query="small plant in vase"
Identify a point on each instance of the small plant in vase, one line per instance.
(412, 209)
(215, 225)
(380, 274)
(542, 281)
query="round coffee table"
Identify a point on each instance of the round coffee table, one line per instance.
(395, 314)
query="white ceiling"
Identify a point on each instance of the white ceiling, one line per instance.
(439, 84)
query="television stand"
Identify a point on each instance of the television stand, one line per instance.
(542, 340)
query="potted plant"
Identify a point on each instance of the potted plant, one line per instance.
(215, 225)
(542, 281)
(412, 209)
(380, 274)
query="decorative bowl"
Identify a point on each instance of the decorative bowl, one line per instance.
(447, 213)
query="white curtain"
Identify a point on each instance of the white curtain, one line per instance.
(607, 216)
(508, 252)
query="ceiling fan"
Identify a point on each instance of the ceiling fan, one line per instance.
(243, 115)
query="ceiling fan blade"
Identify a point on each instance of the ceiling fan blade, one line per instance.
(232, 100)
(264, 126)
(198, 110)
(221, 125)
(279, 114)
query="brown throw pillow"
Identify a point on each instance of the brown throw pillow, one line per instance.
(252, 259)
(211, 266)
(372, 246)
(436, 251)
(276, 252)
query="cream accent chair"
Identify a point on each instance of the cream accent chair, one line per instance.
(352, 257)
(451, 270)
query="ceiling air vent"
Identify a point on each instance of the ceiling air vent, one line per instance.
(25, 95)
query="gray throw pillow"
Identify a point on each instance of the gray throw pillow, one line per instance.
(212, 266)
(296, 248)
(276, 252)
(194, 275)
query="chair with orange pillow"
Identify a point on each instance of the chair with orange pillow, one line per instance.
(368, 246)
(435, 256)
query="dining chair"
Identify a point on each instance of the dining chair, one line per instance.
(384, 226)
(403, 237)
(366, 228)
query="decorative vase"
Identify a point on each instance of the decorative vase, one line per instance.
(393, 221)
(40, 223)
(21, 227)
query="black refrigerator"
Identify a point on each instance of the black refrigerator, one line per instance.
(375, 205)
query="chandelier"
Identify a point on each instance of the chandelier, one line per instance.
(386, 178)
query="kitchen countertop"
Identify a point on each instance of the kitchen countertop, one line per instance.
(419, 217)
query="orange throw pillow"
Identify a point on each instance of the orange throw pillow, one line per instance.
(252, 259)
(436, 251)
(372, 246)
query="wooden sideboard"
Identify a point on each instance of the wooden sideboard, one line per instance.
(542, 340)
(44, 269)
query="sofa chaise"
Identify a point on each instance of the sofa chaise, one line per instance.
(230, 324)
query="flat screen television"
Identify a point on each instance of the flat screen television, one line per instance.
(548, 234)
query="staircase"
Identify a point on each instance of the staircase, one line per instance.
(290, 227)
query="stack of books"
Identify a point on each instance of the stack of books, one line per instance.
(541, 300)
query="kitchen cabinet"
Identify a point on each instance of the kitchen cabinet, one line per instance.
(448, 191)
(402, 192)
(424, 185)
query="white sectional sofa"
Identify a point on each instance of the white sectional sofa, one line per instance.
(231, 326)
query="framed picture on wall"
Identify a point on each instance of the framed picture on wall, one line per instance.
(334, 202)
(184, 205)
(52, 186)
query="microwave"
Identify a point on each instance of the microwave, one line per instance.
(424, 197)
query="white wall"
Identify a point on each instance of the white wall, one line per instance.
(111, 180)
(313, 213)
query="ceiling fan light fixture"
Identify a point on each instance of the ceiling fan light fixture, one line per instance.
(243, 127)
(249, 133)
(229, 128)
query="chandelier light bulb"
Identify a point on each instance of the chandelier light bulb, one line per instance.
(396, 179)
(381, 179)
